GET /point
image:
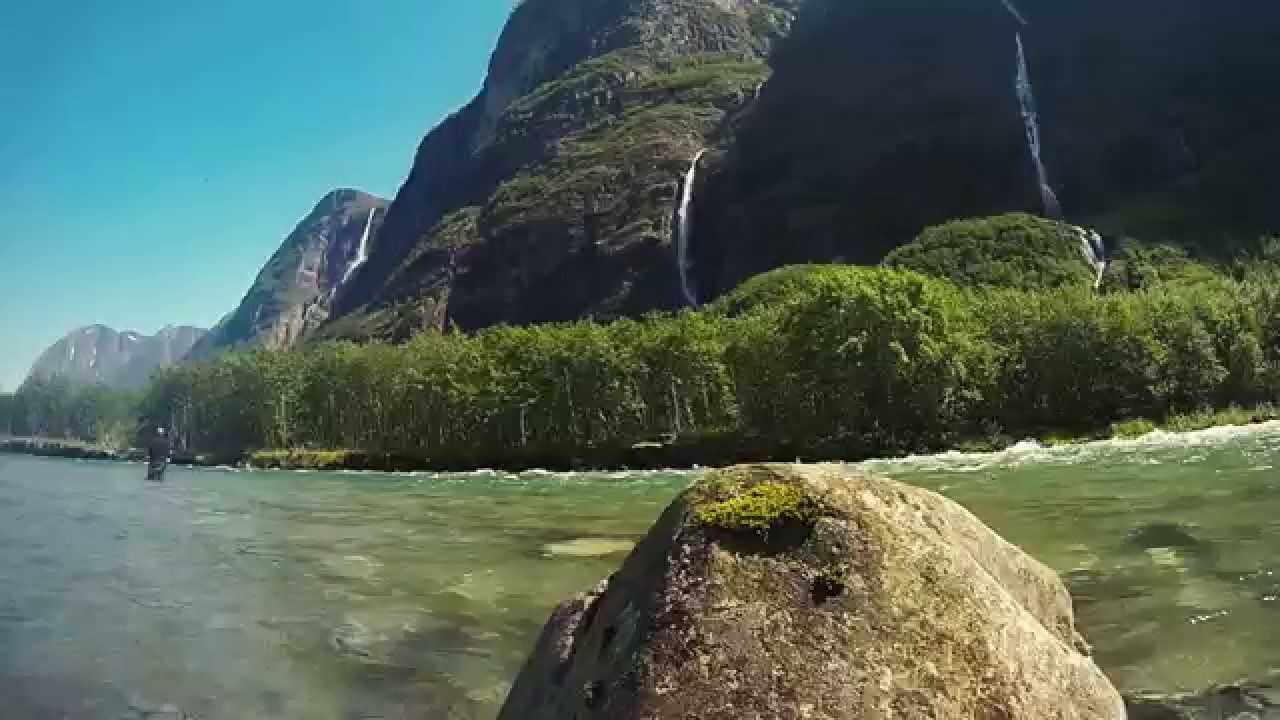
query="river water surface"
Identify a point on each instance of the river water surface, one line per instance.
(223, 594)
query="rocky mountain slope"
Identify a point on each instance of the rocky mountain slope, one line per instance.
(295, 290)
(1156, 121)
(552, 195)
(99, 354)
(549, 196)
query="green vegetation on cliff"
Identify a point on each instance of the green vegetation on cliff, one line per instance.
(590, 160)
(1014, 251)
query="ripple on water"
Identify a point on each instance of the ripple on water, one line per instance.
(467, 566)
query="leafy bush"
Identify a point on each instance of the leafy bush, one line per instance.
(773, 289)
(1132, 429)
(1137, 266)
(882, 359)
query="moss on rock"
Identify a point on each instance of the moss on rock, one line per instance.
(760, 509)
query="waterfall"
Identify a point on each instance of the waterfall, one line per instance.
(362, 253)
(1031, 119)
(1095, 251)
(684, 231)
(1091, 243)
(1013, 10)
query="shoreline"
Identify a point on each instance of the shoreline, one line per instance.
(674, 454)
(64, 449)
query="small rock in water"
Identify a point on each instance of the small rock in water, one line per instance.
(141, 709)
(588, 547)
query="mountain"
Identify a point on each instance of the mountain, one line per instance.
(835, 130)
(549, 196)
(1159, 121)
(99, 354)
(294, 291)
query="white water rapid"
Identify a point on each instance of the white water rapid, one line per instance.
(684, 231)
(362, 253)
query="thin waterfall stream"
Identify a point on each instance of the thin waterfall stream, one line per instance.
(1091, 243)
(362, 252)
(684, 232)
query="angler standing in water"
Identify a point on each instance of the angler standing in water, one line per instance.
(158, 455)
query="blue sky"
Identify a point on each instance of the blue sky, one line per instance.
(154, 153)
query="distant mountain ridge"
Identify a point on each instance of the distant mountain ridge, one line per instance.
(97, 354)
(296, 288)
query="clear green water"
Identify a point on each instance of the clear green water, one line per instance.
(246, 595)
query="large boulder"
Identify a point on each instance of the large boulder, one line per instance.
(809, 592)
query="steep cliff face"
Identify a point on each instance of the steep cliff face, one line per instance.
(296, 289)
(883, 118)
(99, 354)
(549, 196)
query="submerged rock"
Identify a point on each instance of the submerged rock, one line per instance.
(1173, 545)
(141, 709)
(1232, 702)
(807, 592)
(1164, 535)
(588, 547)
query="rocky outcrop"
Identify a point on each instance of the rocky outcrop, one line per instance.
(807, 592)
(101, 355)
(294, 292)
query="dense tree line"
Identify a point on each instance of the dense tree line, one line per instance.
(987, 341)
(55, 408)
(835, 360)
(6, 413)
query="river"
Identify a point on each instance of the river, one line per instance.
(224, 594)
